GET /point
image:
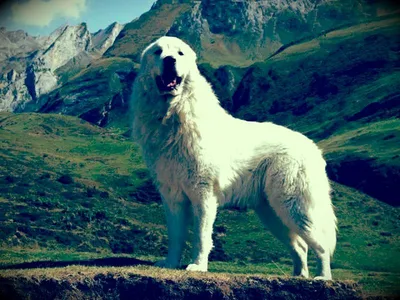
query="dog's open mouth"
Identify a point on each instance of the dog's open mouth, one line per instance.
(168, 82)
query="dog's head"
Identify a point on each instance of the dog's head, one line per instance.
(168, 61)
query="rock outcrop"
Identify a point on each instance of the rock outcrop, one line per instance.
(71, 41)
(102, 87)
(104, 38)
(34, 66)
(13, 90)
(17, 44)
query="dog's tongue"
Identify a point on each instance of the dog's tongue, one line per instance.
(172, 83)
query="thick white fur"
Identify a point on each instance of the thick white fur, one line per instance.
(201, 157)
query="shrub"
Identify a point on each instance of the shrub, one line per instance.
(10, 179)
(104, 195)
(65, 179)
(45, 176)
(90, 192)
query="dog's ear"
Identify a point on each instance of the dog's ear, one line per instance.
(144, 52)
(194, 55)
(143, 55)
(191, 51)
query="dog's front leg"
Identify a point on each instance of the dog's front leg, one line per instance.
(177, 214)
(204, 212)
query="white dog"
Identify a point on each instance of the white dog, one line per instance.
(201, 157)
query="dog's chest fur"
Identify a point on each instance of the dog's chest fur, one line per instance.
(173, 147)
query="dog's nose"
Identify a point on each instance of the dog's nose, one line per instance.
(169, 61)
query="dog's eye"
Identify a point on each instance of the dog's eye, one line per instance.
(158, 52)
(180, 53)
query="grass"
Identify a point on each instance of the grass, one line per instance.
(367, 158)
(377, 139)
(110, 209)
(107, 175)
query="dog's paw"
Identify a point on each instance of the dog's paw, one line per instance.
(196, 267)
(165, 264)
(323, 278)
(303, 275)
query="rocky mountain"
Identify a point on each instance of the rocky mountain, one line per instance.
(240, 33)
(104, 38)
(34, 66)
(16, 48)
(97, 94)
(226, 35)
(17, 44)
(231, 33)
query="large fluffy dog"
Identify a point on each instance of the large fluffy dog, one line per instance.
(201, 157)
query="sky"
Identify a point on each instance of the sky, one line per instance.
(41, 17)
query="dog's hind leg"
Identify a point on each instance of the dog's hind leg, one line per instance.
(315, 237)
(296, 245)
(299, 254)
(300, 198)
(177, 211)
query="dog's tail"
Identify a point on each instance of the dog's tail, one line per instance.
(321, 211)
(323, 226)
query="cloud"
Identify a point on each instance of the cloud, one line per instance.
(41, 13)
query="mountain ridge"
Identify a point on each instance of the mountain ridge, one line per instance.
(186, 19)
(206, 23)
(47, 62)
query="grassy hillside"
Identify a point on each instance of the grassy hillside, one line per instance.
(339, 80)
(66, 183)
(367, 158)
(341, 88)
(73, 192)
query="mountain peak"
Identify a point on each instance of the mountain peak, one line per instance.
(104, 38)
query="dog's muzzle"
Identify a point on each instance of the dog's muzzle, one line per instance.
(169, 80)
